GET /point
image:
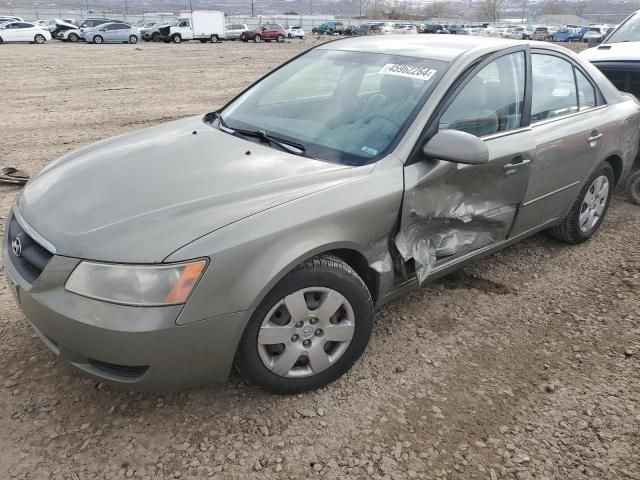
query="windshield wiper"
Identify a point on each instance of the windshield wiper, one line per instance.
(286, 145)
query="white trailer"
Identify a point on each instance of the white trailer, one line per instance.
(203, 25)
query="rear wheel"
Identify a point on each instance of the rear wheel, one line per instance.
(98, 39)
(214, 39)
(155, 36)
(280, 38)
(133, 39)
(589, 209)
(257, 39)
(73, 37)
(634, 187)
(203, 40)
(39, 39)
(309, 330)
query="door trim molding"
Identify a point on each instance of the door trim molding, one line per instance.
(542, 197)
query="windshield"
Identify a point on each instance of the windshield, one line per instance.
(346, 107)
(629, 31)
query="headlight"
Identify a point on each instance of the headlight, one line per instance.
(138, 285)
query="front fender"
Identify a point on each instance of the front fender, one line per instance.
(250, 256)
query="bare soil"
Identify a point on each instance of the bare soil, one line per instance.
(522, 366)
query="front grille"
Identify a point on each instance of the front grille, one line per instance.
(33, 257)
(624, 75)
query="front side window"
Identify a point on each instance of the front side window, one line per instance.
(492, 101)
(553, 88)
(347, 107)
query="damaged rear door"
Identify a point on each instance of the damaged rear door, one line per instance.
(451, 209)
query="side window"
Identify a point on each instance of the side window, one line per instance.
(492, 101)
(553, 88)
(586, 92)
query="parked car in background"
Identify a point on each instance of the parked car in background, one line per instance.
(117, 32)
(268, 32)
(567, 34)
(434, 28)
(294, 32)
(315, 209)
(370, 29)
(146, 28)
(65, 31)
(23, 32)
(233, 31)
(542, 33)
(405, 28)
(203, 25)
(8, 19)
(87, 26)
(152, 34)
(595, 34)
(351, 31)
(329, 28)
(519, 33)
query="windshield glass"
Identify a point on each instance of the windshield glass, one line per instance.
(629, 31)
(347, 107)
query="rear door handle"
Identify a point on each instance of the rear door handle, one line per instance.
(517, 162)
(595, 138)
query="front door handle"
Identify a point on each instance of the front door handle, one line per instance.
(517, 162)
(595, 137)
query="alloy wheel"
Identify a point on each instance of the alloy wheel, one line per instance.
(306, 332)
(594, 203)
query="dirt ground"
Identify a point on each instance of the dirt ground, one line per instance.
(522, 366)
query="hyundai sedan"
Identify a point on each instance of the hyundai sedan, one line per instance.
(264, 234)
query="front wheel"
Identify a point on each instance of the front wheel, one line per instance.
(257, 39)
(39, 39)
(588, 211)
(98, 39)
(133, 39)
(634, 187)
(73, 37)
(309, 330)
(176, 38)
(155, 36)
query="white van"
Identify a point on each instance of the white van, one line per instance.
(203, 25)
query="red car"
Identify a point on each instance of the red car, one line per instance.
(271, 31)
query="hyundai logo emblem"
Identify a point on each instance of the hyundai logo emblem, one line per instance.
(16, 246)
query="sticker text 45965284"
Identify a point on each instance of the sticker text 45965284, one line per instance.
(411, 71)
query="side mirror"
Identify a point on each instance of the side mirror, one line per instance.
(456, 146)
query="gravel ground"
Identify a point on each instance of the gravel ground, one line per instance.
(522, 366)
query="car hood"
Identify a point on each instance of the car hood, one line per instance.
(613, 52)
(138, 197)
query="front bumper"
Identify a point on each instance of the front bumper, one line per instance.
(139, 348)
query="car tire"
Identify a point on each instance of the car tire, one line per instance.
(203, 40)
(280, 38)
(133, 39)
(589, 209)
(73, 37)
(257, 39)
(39, 39)
(634, 187)
(214, 39)
(155, 36)
(353, 314)
(98, 39)
(176, 38)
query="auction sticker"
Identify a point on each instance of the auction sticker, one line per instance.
(410, 71)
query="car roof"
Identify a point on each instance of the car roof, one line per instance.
(435, 47)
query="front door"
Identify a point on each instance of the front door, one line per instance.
(451, 209)
(565, 110)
